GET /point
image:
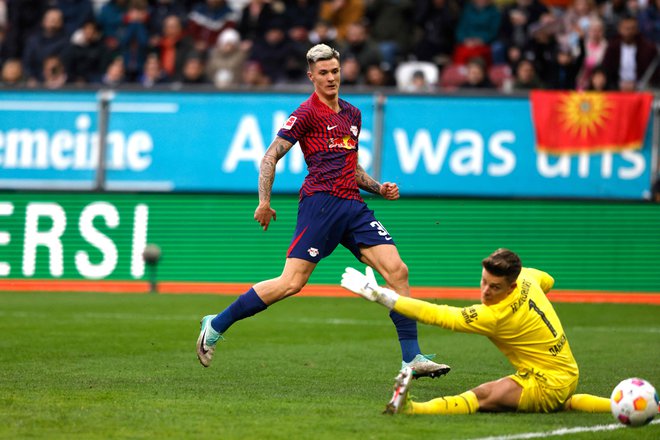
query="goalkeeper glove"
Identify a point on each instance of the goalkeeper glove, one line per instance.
(366, 286)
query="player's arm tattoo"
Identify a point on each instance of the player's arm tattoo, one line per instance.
(366, 182)
(278, 148)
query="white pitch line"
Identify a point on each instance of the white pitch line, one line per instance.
(560, 432)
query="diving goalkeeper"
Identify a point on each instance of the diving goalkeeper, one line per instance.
(518, 318)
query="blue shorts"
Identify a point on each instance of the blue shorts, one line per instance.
(324, 221)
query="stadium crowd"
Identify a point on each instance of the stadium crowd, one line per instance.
(418, 46)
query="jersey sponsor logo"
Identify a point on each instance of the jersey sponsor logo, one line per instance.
(354, 130)
(331, 127)
(289, 123)
(555, 349)
(313, 252)
(469, 314)
(345, 142)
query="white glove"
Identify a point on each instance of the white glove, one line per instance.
(366, 286)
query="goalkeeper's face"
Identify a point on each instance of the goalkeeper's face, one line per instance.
(494, 288)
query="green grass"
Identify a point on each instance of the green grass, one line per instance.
(99, 366)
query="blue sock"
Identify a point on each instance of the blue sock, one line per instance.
(245, 306)
(406, 328)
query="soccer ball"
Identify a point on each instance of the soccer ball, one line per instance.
(634, 402)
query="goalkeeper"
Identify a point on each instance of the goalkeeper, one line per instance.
(518, 317)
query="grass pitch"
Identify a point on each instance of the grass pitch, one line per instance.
(99, 366)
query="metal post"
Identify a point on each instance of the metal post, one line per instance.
(379, 116)
(104, 98)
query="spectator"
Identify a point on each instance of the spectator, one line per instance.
(278, 56)
(526, 77)
(543, 46)
(351, 72)
(649, 21)
(628, 56)
(594, 46)
(174, 47)
(563, 73)
(387, 21)
(153, 73)
(12, 73)
(193, 70)
(54, 74)
(341, 14)
(158, 10)
(24, 18)
(598, 81)
(437, 21)
(477, 30)
(49, 40)
(114, 73)
(301, 17)
(323, 33)
(226, 60)
(376, 76)
(514, 31)
(111, 22)
(206, 20)
(575, 24)
(3, 14)
(87, 56)
(476, 77)
(4, 47)
(358, 45)
(256, 18)
(75, 13)
(612, 11)
(253, 76)
(134, 38)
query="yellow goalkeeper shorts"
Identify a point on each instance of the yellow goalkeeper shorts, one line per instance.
(538, 397)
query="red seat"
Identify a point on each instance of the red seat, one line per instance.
(499, 73)
(452, 76)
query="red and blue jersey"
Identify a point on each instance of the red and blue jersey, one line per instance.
(329, 142)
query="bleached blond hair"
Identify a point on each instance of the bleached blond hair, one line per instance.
(321, 52)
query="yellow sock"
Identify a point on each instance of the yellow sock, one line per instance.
(588, 403)
(466, 403)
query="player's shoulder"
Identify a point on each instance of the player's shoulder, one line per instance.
(348, 106)
(535, 276)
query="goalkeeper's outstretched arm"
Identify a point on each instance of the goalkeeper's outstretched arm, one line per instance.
(366, 286)
(444, 316)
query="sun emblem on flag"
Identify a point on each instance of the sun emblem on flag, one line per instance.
(584, 113)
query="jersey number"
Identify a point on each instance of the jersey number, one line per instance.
(533, 306)
(381, 229)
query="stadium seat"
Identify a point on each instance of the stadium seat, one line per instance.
(453, 76)
(499, 73)
(404, 73)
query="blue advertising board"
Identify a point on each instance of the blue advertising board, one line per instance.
(176, 141)
(465, 146)
(156, 141)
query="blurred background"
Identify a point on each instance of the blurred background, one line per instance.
(131, 122)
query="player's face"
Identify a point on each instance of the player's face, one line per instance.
(493, 288)
(325, 75)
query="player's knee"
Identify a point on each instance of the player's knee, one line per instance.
(293, 286)
(397, 274)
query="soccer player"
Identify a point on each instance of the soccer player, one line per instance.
(518, 318)
(330, 212)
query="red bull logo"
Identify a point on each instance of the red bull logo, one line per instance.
(345, 142)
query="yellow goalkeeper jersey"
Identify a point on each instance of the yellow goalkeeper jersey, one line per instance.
(524, 326)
